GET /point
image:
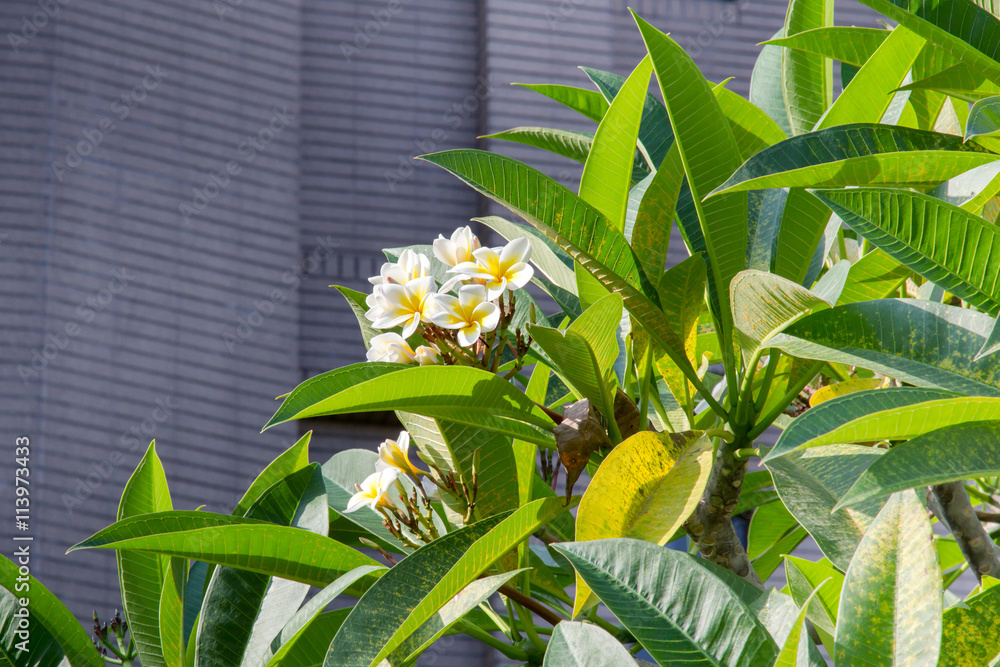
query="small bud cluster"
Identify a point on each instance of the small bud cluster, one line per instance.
(465, 320)
(407, 514)
(121, 652)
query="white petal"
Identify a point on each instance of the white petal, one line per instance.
(494, 289)
(471, 296)
(357, 501)
(520, 275)
(488, 315)
(411, 326)
(518, 250)
(467, 336)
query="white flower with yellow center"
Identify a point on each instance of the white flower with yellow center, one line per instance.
(458, 248)
(395, 455)
(373, 491)
(427, 355)
(411, 265)
(396, 305)
(471, 313)
(391, 347)
(499, 268)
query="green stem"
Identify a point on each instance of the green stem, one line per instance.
(644, 386)
(789, 396)
(746, 453)
(978, 495)
(476, 632)
(528, 624)
(765, 387)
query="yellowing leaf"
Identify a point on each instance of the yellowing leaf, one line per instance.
(645, 489)
(843, 389)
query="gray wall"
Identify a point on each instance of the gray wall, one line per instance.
(216, 311)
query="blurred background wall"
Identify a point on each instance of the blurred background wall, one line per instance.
(181, 181)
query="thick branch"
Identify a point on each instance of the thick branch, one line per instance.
(531, 605)
(951, 504)
(711, 525)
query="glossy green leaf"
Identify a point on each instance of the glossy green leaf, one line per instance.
(949, 454)
(310, 611)
(469, 396)
(797, 649)
(764, 305)
(709, 154)
(804, 578)
(971, 190)
(753, 129)
(574, 359)
(967, 31)
(576, 227)
(569, 144)
(961, 81)
(141, 574)
(850, 45)
(655, 133)
(678, 607)
(920, 342)
(450, 614)
(54, 636)
(356, 302)
(890, 605)
(984, 118)
(884, 414)
(173, 636)
(607, 175)
(308, 647)
(241, 609)
(765, 84)
(295, 458)
(587, 102)
(811, 482)
(421, 584)
(247, 544)
(874, 276)
(650, 231)
(970, 635)
(947, 245)
(807, 78)
(773, 533)
(584, 645)
(859, 154)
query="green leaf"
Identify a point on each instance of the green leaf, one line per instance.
(650, 231)
(646, 488)
(965, 30)
(797, 649)
(569, 144)
(947, 245)
(984, 118)
(850, 45)
(141, 574)
(356, 301)
(340, 474)
(811, 482)
(709, 154)
(959, 81)
(310, 611)
(677, 607)
(247, 544)
(859, 154)
(607, 175)
(308, 647)
(971, 190)
(807, 78)
(890, 609)
(867, 98)
(54, 636)
(883, 414)
(574, 359)
(970, 635)
(753, 129)
(764, 305)
(292, 460)
(874, 276)
(587, 102)
(805, 577)
(421, 584)
(575, 226)
(171, 612)
(469, 396)
(766, 87)
(584, 645)
(241, 609)
(655, 134)
(932, 458)
(920, 342)
(450, 614)
(773, 533)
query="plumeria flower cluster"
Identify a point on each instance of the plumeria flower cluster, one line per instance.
(408, 514)
(463, 321)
